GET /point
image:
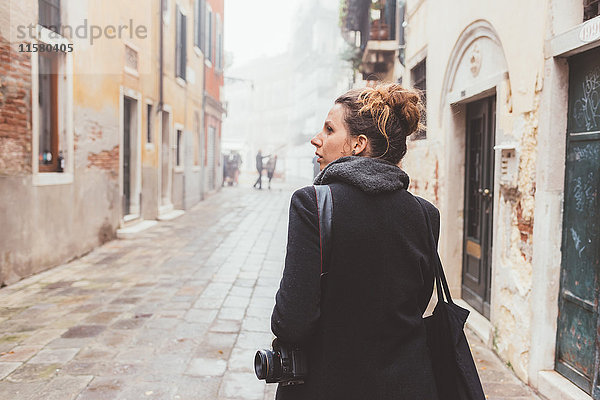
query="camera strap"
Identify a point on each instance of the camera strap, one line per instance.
(324, 215)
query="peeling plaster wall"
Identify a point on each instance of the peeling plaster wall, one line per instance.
(512, 267)
(50, 224)
(436, 165)
(185, 101)
(426, 182)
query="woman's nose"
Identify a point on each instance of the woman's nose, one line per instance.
(315, 141)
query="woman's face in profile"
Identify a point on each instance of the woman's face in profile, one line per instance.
(333, 140)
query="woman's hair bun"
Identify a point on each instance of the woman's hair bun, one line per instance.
(384, 99)
(386, 113)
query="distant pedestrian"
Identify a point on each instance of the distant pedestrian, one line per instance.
(271, 168)
(237, 161)
(225, 169)
(259, 168)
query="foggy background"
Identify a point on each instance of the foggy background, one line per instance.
(282, 73)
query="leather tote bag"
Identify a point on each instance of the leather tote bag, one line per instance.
(454, 370)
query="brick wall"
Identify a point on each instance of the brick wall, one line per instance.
(15, 110)
(107, 160)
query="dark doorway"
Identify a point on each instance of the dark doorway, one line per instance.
(166, 160)
(127, 110)
(479, 204)
(577, 354)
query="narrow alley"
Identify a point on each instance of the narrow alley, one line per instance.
(176, 313)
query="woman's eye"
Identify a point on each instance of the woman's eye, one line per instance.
(329, 129)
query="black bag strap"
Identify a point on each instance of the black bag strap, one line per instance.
(324, 213)
(440, 278)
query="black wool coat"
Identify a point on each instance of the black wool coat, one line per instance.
(363, 331)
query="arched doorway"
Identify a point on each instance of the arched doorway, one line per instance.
(475, 88)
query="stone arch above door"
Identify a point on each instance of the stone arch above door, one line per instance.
(476, 64)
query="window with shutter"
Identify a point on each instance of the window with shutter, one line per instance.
(52, 94)
(198, 23)
(183, 46)
(202, 25)
(218, 42)
(180, 45)
(49, 14)
(209, 34)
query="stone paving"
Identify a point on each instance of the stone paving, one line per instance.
(176, 313)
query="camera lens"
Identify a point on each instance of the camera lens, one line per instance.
(263, 361)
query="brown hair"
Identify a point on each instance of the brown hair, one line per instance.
(386, 114)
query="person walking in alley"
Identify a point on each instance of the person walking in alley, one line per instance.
(259, 168)
(271, 168)
(237, 162)
(360, 325)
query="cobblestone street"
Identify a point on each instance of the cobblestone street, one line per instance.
(176, 313)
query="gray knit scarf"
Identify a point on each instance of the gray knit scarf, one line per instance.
(371, 175)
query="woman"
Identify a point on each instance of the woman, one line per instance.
(363, 333)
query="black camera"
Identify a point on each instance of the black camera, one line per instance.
(285, 364)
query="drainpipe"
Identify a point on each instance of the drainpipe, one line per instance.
(161, 61)
(203, 127)
(159, 109)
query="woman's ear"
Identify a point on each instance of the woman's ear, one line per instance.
(360, 145)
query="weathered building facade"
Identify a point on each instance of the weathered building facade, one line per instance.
(101, 135)
(511, 156)
(213, 106)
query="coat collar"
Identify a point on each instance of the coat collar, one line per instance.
(371, 175)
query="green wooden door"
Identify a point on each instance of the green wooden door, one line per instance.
(577, 355)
